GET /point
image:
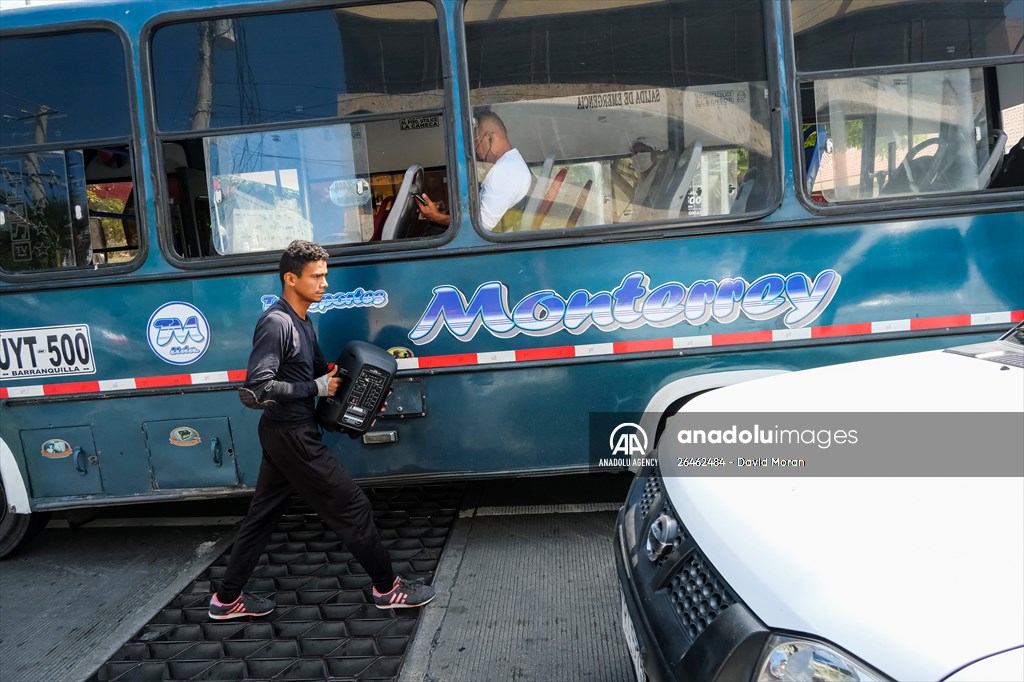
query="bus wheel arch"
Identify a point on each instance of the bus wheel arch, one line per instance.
(17, 524)
(671, 397)
(17, 529)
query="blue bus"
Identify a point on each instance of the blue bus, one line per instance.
(716, 190)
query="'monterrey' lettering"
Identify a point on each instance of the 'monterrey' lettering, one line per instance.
(631, 304)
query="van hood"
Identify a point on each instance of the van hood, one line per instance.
(916, 577)
(1007, 665)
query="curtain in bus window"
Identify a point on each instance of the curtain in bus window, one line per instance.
(297, 66)
(623, 112)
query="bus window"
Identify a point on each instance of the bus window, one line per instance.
(65, 204)
(909, 130)
(295, 163)
(906, 135)
(835, 36)
(623, 112)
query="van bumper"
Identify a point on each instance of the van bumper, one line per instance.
(727, 648)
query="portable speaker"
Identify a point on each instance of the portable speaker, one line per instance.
(366, 373)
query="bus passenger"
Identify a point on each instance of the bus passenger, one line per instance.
(286, 372)
(632, 180)
(507, 182)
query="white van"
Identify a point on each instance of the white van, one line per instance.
(776, 576)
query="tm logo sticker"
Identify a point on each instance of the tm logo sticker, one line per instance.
(178, 333)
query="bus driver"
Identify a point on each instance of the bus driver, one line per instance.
(507, 182)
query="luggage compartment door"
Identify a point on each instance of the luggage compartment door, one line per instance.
(191, 453)
(62, 461)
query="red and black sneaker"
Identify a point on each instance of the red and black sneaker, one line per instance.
(245, 605)
(404, 594)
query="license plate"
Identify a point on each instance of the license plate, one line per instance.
(632, 643)
(46, 351)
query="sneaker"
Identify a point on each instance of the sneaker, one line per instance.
(245, 605)
(404, 594)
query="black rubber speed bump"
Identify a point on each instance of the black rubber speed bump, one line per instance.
(325, 626)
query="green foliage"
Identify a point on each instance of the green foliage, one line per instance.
(113, 228)
(812, 139)
(855, 133)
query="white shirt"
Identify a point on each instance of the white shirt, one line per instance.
(506, 184)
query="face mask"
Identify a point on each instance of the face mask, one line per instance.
(642, 161)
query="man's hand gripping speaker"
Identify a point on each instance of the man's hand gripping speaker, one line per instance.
(366, 373)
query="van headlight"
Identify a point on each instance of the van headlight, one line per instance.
(793, 659)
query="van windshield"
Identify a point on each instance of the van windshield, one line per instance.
(1015, 335)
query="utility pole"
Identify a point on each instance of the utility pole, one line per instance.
(33, 178)
(203, 108)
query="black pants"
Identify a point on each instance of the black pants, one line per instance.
(295, 460)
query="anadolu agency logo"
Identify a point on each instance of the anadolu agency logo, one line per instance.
(627, 444)
(178, 333)
(628, 440)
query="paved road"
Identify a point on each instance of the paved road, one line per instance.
(70, 598)
(525, 593)
(526, 587)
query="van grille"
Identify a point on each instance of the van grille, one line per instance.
(652, 489)
(698, 594)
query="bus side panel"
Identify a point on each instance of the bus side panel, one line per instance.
(922, 277)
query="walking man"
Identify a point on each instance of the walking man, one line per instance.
(286, 372)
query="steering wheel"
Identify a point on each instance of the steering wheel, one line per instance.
(928, 168)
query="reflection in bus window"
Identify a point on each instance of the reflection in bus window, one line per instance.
(334, 183)
(911, 131)
(70, 207)
(56, 212)
(626, 112)
(831, 36)
(269, 188)
(902, 135)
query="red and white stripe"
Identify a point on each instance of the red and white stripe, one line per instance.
(131, 384)
(710, 340)
(550, 353)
